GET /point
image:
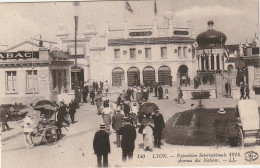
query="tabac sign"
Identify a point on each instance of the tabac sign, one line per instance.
(19, 55)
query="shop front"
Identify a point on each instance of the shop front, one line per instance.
(30, 76)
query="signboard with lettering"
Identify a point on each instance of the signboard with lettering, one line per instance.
(19, 55)
(144, 33)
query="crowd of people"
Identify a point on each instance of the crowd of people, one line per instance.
(120, 117)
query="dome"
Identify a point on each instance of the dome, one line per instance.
(211, 38)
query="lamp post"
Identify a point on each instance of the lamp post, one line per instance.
(76, 84)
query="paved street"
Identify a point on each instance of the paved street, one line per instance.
(76, 149)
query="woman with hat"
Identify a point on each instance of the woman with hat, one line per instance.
(220, 124)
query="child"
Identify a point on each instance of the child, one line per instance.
(166, 93)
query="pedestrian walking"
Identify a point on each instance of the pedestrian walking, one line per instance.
(148, 136)
(72, 111)
(242, 91)
(106, 87)
(101, 146)
(221, 129)
(92, 96)
(28, 131)
(128, 94)
(180, 94)
(160, 90)
(128, 133)
(166, 93)
(4, 119)
(101, 85)
(155, 89)
(117, 124)
(126, 108)
(106, 116)
(98, 104)
(85, 93)
(62, 113)
(247, 91)
(119, 99)
(158, 127)
(134, 92)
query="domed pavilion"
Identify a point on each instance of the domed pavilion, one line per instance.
(211, 49)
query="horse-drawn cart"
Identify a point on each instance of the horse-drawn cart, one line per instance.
(248, 122)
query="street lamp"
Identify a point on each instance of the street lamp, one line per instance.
(76, 84)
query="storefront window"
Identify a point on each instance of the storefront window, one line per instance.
(11, 82)
(31, 81)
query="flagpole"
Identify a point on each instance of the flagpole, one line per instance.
(76, 87)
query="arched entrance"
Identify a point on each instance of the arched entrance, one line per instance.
(79, 73)
(148, 75)
(133, 76)
(164, 75)
(183, 75)
(230, 67)
(117, 76)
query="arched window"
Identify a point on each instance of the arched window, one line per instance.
(117, 76)
(148, 75)
(133, 76)
(164, 75)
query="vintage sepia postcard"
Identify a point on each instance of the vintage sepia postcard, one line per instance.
(129, 83)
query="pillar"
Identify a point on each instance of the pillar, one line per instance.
(209, 56)
(141, 77)
(156, 76)
(251, 77)
(215, 62)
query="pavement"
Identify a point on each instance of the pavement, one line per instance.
(75, 149)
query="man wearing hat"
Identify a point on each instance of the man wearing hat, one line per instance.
(117, 124)
(101, 145)
(128, 139)
(158, 127)
(126, 108)
(220, 124)
(160, 90)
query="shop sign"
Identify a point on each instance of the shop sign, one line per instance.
(19, 55)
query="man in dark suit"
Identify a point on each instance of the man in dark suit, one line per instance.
(117, 124)
(72, 110)
(160, 90)
(158, 127)
(101, 145)
(128, 139)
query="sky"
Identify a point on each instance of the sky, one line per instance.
(238, 19)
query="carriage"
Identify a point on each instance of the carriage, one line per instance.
(248, 122)
(46, 130)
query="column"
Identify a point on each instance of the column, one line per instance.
(215, 62)
(205, 62)
(209, 61)
(141, 77)
(199, 62)
(156, 76)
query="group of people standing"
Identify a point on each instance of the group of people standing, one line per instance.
(124, 113)
(92, 90)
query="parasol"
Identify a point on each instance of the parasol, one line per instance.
(43, 102)
(148, 108)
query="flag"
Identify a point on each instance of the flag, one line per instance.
(155, 7)
(76, 23)
(128, 7)
(76, 3)
(226, 54)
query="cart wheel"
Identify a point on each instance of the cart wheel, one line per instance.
(50, 135)
(240, 137)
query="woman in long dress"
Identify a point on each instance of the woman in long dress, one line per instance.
(148, 137)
